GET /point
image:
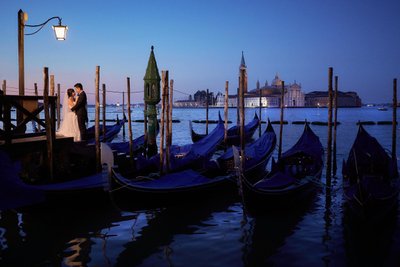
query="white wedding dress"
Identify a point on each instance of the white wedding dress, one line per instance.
(69, 123)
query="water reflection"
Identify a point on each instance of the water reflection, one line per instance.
(78, 252)
(369, 243)
(54, 238)
(162, 228)
(267, 231)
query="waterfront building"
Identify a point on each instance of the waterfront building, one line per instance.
(321, 99)
(270, 94)
(294, 97)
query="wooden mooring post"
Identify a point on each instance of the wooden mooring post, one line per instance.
(166, 122)
(238, 107)
(36, 94)
(52, 87)
(334, 163)
(97, 119)
(164, 81)
(4, 87)
(226, 114)
(169, 135)
(128, 92)
(259, 112)
(394, 121)
(104, 111)
(145, 129)
(58, 106)
(242, 117)
(123, 113)
(207, 100)
(167, 132)
(281, 120)
(49, 134)
(329, 148)
(242, 157)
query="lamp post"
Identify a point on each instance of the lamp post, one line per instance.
(60, 32)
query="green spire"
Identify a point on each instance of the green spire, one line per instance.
(152, 69)
(152, 81)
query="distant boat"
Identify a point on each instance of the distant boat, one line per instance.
(382, 109)
(117, 104)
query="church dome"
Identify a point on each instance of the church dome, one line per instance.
(276, 81)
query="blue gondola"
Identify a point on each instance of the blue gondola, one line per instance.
(294, 177)
(111, 132)
(233, 132)
(208, 180)
(257, 154)
(14, 193)
(370, 178)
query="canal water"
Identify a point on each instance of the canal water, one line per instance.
(217, 232)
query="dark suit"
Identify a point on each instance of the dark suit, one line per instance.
(81, 113)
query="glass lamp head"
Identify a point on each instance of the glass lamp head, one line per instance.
(61, 32)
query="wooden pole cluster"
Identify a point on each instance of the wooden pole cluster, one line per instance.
(164, 102)
(260, 106)
(4, 87)
(281, 120)
(104, 111)
(394, 122)
(334, 166)
(97, 119)
(207, 100)
(329, 149)
(123, 113)
(58, 105)
(128, 88)
(49, 137)
(226, 114)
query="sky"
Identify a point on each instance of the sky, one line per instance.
(200, 43)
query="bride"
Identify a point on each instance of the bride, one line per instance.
(69, 122)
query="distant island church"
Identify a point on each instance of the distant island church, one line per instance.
(270, 94)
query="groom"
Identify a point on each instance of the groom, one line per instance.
(80, 109)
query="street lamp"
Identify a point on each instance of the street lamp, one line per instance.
(60, 33)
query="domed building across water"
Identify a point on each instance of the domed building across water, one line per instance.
(270, 94)
(293, 95)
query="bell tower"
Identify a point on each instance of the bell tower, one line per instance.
(151, 98)
(243, 67)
